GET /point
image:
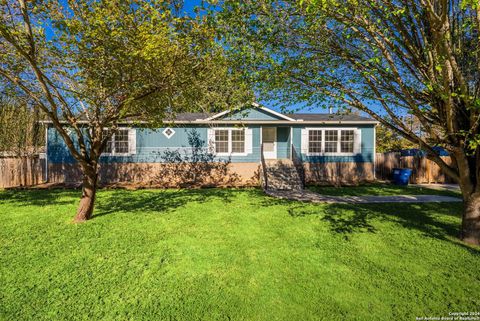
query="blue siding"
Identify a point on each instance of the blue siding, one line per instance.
(283, 142)
(57, 149)
(152, 144)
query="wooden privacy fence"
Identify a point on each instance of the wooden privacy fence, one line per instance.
(424, 170)
(21, 171)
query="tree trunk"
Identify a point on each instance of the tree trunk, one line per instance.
(87, 202)
(471, 220)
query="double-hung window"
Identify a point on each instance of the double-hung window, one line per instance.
(221, 141)
(229, 141)
(332, 141)
(347, 141)
(238, 141)
(314, 141)
(118, 143)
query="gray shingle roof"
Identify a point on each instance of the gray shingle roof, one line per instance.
(192, 116)
(303, 116)
(328, 117)
(318, 117)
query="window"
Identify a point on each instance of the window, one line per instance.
(121, 141)
(331, 141)
(229, 141)
(118, 143)
(315, 141)
(238, 141)
(221, 141)
(347, 141)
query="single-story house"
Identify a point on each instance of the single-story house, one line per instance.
(230, 148)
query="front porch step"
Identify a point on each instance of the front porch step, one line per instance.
(280, 175)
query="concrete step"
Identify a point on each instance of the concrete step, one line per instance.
(281, 175)
(281, 170)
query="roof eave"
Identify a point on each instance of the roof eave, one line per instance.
(264, 122)
(299, 122)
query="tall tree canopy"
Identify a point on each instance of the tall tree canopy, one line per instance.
(388, 140)
(107, 61)
(384, 57)
(21, 134)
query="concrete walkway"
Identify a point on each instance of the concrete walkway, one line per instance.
(440, 187)
(308, 196)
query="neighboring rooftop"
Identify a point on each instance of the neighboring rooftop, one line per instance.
(192, 116)
(328, 117)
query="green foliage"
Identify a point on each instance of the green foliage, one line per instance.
(388, 140)
(20, 132)
(144, 56)
(465, 4)
(221, 254)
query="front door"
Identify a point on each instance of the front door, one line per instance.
(269, 142)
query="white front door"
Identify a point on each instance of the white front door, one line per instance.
(269, 142)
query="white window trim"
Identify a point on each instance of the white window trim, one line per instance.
(338, 153)
(230, 153)
(113, 144)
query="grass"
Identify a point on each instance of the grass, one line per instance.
(222, 254)
(381, 189)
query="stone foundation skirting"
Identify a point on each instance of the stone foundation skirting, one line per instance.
(338, 173)
(207, 174)
(163, 175)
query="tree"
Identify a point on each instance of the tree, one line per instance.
(20, 131)
(387, 58)
(106, 62)
(388, 140)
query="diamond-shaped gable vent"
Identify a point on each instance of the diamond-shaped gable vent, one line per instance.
(168, 132)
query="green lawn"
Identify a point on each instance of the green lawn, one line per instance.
(381, 189)
(221, 254)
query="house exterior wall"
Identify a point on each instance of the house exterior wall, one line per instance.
(151, 162)
(152, 145)
(339, 169)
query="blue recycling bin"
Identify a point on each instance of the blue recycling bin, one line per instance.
(401, 176)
